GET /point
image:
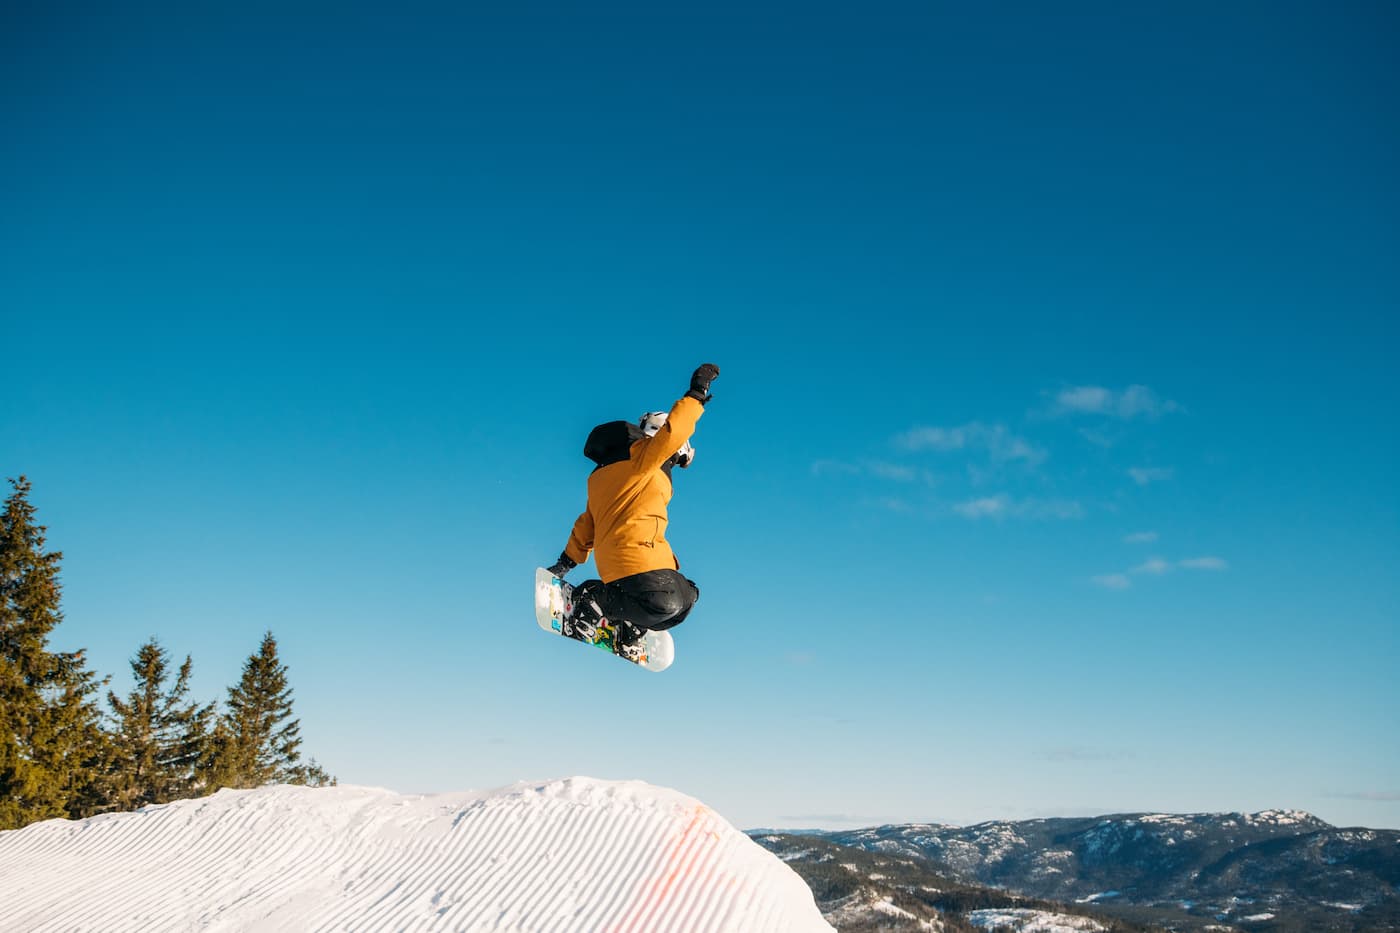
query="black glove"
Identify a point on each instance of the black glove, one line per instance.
(562, 566)
(700, 382)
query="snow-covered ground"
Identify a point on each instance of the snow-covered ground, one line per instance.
(1032, 921)
(570, 855)
(857, 908)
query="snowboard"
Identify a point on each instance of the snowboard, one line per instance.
(554, 602)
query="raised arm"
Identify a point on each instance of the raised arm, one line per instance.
(680, 421)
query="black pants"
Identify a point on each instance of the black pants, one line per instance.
(656, 599)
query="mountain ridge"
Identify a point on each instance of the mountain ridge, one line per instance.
(1269, 870)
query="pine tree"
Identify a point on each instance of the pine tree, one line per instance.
(218, 766)
(53, 753)
(257, 741)
(312, 775)
(159, 736)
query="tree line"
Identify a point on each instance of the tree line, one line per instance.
(62, 754)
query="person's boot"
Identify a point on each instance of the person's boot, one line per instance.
(627, 641)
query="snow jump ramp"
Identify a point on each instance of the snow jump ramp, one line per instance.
(571, 855)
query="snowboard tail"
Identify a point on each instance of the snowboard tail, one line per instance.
(554, 604)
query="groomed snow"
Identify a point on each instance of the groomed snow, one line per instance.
(1032, 921)
(571, 855)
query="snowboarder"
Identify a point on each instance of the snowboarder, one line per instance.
(624, 523)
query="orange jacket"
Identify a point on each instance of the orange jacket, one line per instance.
(625, 521)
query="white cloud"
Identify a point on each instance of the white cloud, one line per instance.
(894, 504)
(834, 468)
(1003, 506)
(991, 507)
(1053, 508)
(1097, 438)
(1205, 563)
(932, 439)
(834, 819)
(1144, 475)
(1153, 565)
(1384, 796)
(880, 469)
(895, 471)
(1084, 399)
(1125, 404)
(1140, 537)
(998, 442)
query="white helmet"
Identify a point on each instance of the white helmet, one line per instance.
(651, 422)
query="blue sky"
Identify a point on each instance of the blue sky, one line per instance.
(1050, 470)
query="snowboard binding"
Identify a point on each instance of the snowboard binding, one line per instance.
(585, 622)
(582, 620)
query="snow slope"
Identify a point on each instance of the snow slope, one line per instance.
(571, 855)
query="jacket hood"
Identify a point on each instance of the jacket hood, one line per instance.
(611, 442)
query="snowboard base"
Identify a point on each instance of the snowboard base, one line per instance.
(554, 602)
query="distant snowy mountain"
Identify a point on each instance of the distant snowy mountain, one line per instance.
(571, 855)
(1275, 870)
(859, 891)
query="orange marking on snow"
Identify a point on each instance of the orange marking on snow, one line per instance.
(657, 893)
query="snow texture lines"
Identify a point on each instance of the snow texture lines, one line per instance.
(571, 855)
